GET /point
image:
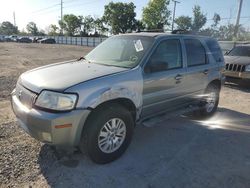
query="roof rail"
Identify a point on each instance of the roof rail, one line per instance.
(181, 31)
(151, 31)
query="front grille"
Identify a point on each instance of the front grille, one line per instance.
(25, 96)
(235, 67)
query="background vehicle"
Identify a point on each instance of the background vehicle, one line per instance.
(238, 64)
(24, 40)
(47, 41)
(95, 102)
(36, 39)
(13, 38)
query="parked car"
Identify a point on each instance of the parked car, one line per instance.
(7, 39)
(36, 39)
(238, 64)
(24, 40)
(13, 38)
(95, 102)
(47, 41)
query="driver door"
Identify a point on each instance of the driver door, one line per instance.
(164, 74)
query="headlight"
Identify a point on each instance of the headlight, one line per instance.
(247, 68)
(56, 101)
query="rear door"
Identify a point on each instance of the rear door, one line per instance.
(198, 67)
(163, 78)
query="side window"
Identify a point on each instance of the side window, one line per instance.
(215, 50)
(166, 56)
(196, 53)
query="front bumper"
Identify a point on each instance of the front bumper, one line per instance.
(239, 75)
(60, 129)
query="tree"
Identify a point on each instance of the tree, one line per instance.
(199, 19)
(120, 16)
(71, 24)
(184, 22)
(195, 24)
(139, 25)
(7, 28)
(88, 24)
(213, 30)
(216, 20)
(156, 14)
(99, 26)
(32, 28)
(53, 30)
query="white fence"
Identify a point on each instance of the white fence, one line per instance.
(80, 41)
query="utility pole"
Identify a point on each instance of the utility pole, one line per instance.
(236, 29)
(61, 15)
(174, 13)
(61, 10)
(14, 17)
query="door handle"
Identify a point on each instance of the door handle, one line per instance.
(178, 77)
(205, 71)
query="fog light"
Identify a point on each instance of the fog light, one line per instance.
(46, 136)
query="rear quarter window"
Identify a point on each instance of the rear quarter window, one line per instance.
(196, 53)
(215, 50)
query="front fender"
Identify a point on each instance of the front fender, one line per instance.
(116, 92)
(125, 85)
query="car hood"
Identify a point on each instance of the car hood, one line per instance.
(242, 60)
(61, 76)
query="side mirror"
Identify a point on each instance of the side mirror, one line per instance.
(156, 66)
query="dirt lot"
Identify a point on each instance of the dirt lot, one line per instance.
(178, 153)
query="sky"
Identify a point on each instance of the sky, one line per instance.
(46, 12)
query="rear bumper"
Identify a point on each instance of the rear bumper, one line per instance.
(239, 75)
(60, 129)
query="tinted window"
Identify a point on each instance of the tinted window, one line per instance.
(166, 56)
(196, 54)
(240, 51)
(215, 50)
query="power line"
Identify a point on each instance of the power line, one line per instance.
(228, 18)
(46, 8)
(82, 4)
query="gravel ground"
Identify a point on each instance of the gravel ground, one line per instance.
(181, 152)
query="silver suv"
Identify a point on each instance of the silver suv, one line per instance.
(95, 102)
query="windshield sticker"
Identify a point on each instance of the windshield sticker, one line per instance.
(138, 45)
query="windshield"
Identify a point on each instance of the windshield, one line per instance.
(240, 51)
(121, 51)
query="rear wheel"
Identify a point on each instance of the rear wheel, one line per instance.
(108, 133)
(210, 101)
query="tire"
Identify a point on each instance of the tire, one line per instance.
(210, 103)
(96, 137)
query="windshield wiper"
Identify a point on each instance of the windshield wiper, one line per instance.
(83, 58)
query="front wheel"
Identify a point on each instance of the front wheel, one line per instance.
(108, 133)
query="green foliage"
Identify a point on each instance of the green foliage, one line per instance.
(7, 28)
(88, 24)
(195, 24)
(138, 26)
(216, 19)
(53, 30)
(71, 24)
(99, 26)
(32, 28)
(156, 14)
(199, 19)
(184, 22)
(120, 16)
